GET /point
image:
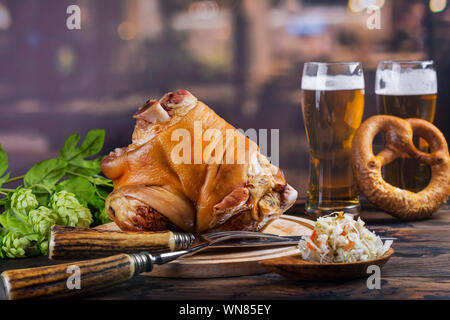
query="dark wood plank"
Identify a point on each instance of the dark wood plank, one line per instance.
(272, 286)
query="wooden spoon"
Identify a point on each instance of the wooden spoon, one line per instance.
(294, 267)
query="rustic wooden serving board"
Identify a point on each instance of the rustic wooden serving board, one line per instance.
(234, 261)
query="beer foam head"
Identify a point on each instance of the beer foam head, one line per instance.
(329, 82)
(406, 82)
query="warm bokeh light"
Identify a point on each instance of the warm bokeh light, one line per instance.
(380, 3)
(65, 59)
(438, 5)
(126, 30)
(355, 6)
(360, 5)
(204, 9)
(5, 18)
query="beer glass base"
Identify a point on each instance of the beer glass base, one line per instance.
(316, 211)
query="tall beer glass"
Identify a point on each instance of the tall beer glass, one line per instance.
(332, 106)
(407, 89)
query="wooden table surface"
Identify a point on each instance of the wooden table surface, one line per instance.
(419, 269)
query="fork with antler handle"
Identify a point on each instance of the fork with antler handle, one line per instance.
(52, 281)
(71, 243)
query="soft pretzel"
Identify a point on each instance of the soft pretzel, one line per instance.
(398, 202)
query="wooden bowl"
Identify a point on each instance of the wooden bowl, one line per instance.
(294, 267)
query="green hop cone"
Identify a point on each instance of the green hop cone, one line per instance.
(15, 245)
(70, 211)
(43, 246)
(83, 217)
(64, 204)
(22, 201)
(42, 219)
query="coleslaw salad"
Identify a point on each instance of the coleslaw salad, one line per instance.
(339, 238)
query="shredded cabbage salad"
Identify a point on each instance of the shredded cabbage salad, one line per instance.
(338, 237)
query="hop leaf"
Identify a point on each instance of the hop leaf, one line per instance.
(22, 201)
(42, 219)
(16, 245)
(70, 211)
(101, 216)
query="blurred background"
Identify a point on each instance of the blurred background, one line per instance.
(241, 57)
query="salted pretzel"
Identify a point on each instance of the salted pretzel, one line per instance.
(401, 203)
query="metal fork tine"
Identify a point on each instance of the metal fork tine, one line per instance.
(238, 234)
(245, 233)
(219, 234)
(222, 233)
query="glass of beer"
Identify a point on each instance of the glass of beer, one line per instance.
(407, 89)
(332, 106)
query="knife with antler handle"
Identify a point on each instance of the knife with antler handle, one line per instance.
(71, 243)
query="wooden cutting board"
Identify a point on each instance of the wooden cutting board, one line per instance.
(234, 261)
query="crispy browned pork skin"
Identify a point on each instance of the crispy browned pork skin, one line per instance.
(152, 192)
